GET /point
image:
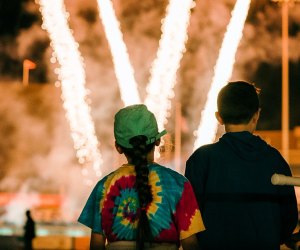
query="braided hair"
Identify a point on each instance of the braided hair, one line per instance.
(138, 156)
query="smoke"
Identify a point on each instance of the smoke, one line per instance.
(42, 159)
(259, 60)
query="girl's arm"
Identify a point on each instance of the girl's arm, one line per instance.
(190, 243)
(97, 241)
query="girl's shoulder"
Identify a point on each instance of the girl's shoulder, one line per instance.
(167, 174)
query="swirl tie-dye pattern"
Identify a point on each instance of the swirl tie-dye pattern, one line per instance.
(113, 207)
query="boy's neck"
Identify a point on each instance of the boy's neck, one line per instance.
(239, 128)
(250, 126)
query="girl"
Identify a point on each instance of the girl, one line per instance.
(141, 205)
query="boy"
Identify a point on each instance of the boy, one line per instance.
(231, 178)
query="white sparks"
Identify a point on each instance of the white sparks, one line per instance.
(169, 54)
(72, 76)
(123, 68)
(223, 69)
(163, 72)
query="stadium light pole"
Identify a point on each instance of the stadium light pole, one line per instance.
(285, 77)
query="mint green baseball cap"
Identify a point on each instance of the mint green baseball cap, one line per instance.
(135, 120)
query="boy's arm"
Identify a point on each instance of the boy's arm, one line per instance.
(288, 205)
(289, 212)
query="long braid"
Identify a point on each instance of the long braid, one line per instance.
(138, 157)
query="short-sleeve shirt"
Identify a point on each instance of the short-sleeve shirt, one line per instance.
(113, 206)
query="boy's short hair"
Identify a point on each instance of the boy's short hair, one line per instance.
(238, 102)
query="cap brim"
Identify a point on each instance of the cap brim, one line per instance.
(162, 133)
(158, 136)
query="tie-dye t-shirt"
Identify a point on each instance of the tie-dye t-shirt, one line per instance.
(113, 206)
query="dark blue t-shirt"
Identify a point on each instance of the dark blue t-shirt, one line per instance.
(241, 209)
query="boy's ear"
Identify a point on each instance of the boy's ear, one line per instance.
(118, 148)
(256, 116)
(220, 120)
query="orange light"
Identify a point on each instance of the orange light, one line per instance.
(29, 64)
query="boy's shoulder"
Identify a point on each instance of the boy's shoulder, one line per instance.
(207, 148)
(238, 142)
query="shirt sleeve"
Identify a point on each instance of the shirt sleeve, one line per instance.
(196, 173)
(90, 215)
(188, 217)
